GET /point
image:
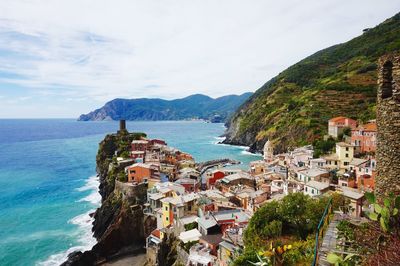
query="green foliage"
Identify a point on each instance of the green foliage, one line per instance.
(122, 177)
(385, 213)
(246, 258)
(188, 245)
(323, 146)
(296, 214)
(190, 226)
(302, 253)
(337, 260)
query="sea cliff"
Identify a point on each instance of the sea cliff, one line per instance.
(119, 224)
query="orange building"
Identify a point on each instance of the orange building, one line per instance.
(142, 172)
(337, 124)
(364, 137)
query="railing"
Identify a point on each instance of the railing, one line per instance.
(323, 224)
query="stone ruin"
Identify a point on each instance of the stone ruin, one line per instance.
(388, 122)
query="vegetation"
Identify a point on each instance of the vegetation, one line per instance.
(190, 226)
(293, 108)
(282, 223)
(194, 106)
(386, 213)
(373, 243)
(322, 146)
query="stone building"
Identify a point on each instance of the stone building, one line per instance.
(268, 151)
(388, 122)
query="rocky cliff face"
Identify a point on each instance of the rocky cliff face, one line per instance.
(119, 226)
(293, 108)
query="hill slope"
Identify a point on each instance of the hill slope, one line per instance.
(294, 107)
(194, 106)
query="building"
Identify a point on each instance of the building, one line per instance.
(190, 184)
(363, 138)
(356, 200)
(140, 145)
(342, 158)
(313, 174)
(388, 117)
(268, 151)
(315, 188)
(240, 178)
(142, 172)
(258, 167)
(338, 124)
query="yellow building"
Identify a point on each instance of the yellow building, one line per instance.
(345, 153)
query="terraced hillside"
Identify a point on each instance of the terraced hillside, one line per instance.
(294, 107)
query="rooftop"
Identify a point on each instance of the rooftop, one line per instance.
(352, 193)
(313, 172)
(191, 235)
(317, 185)
(344, 144)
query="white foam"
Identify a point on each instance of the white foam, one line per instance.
(94, 198)
(84, 223)
(91, 184)
(246, 152)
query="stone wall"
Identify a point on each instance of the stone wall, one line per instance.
(388, 121)
(132, 193)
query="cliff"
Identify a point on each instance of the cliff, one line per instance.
(119, 224)
(195, 106)
(293, 108)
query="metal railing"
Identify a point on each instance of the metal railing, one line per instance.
(321, 229)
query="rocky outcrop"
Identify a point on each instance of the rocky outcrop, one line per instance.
(119, 226)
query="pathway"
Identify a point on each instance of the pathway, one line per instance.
(329, 241)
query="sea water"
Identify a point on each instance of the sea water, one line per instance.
(48, 183)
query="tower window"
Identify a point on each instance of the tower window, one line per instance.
(387, 80)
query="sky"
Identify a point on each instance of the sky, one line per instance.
(62, 58)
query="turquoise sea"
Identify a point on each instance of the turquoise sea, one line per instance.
(48, 185)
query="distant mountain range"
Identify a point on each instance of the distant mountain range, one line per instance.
(195, 106)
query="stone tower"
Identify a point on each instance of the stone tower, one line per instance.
(268, 151)
(122, 126)
(388, 121)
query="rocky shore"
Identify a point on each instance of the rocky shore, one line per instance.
(119, 224)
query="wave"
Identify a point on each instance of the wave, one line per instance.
(246, 152)
(84, 223)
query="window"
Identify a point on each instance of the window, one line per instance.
(312, 191)
(347, 148)
(347, 155)
(346, 163)
(335, 162)
(306, 189)
(166, 208)
(387, 80)
(166, 218)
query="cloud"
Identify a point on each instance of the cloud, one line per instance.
(99, 50)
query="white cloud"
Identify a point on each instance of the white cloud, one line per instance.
(98, 50)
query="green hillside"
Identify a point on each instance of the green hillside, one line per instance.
(294, 107)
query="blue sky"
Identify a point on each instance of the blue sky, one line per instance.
(61, 58)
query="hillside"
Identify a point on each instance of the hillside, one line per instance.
(194, 106)
(294, 107)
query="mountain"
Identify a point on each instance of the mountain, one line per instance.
(294, 107)
(194, 106)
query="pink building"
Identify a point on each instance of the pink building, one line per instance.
(364, 137)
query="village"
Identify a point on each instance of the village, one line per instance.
(208, 206)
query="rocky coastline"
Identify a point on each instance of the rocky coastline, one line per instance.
(119, 224)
